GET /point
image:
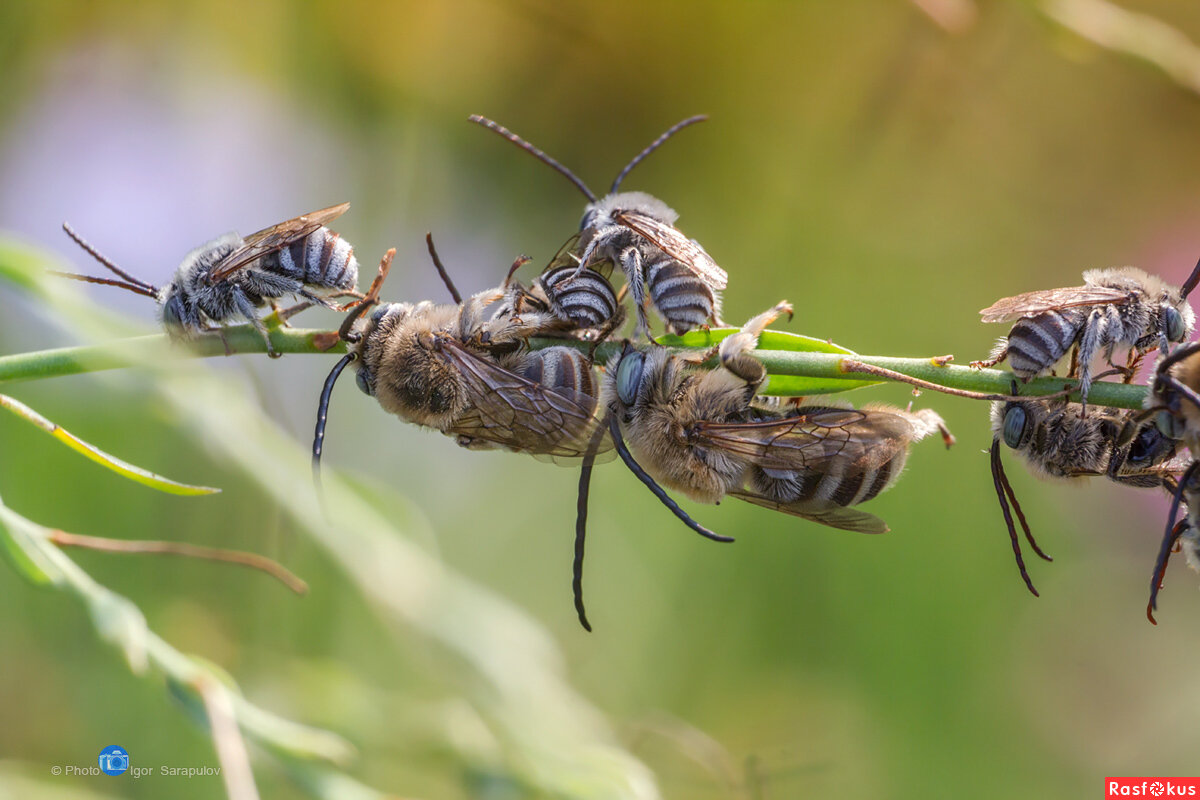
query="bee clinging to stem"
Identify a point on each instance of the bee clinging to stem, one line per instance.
(1058, 441)
(1121, 307)
(637, 231)
(445, 367)
(231, 278)
(707, 434)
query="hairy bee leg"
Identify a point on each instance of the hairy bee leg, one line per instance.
(581, 511)
(614, 428)
(635, 279)
(247, 310)
(735, 350)
(998, 354)
(1095, 330)
(1172, 534)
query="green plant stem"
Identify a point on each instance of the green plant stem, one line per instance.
(244, 339)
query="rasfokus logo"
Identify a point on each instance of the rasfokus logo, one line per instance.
(1151, 787)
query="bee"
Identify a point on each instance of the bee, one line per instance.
(705, 434)
(1058, 441)
(637, 231)
(1123, 307)
(443, 367)
(1174, 399)
(231, 278)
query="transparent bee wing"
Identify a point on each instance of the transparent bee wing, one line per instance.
(517, 413)
(868, 438)
(273, 239)
(822, 511)
(1023, 305)
(672, 242)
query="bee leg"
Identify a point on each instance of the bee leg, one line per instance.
(247, 310)
(998, 354)
(734, 350)
(631, 263)
(1095, 331)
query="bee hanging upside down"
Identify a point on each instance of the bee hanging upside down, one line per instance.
(448, 368)
(707, 434)
(1123, 307)
(1058, 441)
(636, 231)
(231, 278)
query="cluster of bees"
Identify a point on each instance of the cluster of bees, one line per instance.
(469, 370)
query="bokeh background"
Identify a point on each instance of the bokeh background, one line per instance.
(889, 167)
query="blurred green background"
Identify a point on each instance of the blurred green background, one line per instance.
(889, 167)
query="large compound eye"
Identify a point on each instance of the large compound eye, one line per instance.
(629, 376)
(377, 314)
(360, 377)
(1174, 323)
(589, 218)
(1014, 426)
(1169, 425)
(171, 316)
(1146, 445)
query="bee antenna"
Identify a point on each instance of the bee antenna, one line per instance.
(1185, 390)
(1000, 481)
(1177, 355)
(535, 152)
(671, 131)
(1191, 282)
(581, 510)
(437, 263)
(323, 413)
(75, 276)
(614, 428)
(1172, 533)
(96, 254)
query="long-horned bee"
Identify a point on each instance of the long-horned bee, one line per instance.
(447, 368)
(1174, 400)
(1057, 440)
(704, 433)
(231, 278)
(637, 232)
(1120, 307)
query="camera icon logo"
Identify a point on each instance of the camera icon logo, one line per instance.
(114, 760)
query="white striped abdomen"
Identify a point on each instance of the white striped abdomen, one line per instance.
(322, 259)
(588, 300)
(683, 299)
(561, 369)
(1036, 343)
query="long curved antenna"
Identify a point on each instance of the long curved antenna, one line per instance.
(614, 428)
(535, 152)
(1169, 537)
(1191, 282)
(581, 511)
(1185, 390)
(323, 413)
(999, 482)
(437, 263)
(75, 276)
(1177, 355)
(671, 131)
(96, 254)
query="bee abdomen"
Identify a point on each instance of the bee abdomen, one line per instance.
(683, 299)
(1037, 343)
(589, 300)
(561, 368)
(323, 258)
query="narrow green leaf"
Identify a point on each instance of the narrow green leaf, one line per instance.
(22, 552)
(134, 473)
(779, 385)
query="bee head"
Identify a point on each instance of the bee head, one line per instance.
(1178, 320)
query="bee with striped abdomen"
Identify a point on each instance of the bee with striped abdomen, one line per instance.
(637, 231)
(705, 433)
(1058, 441)
(445, 367)
(231, 277)
(1122, 307)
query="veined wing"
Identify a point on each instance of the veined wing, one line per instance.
(514, 412)
(1023, 305)
(822, 511)
(810, 440)
(672, 242)
(273, 239)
